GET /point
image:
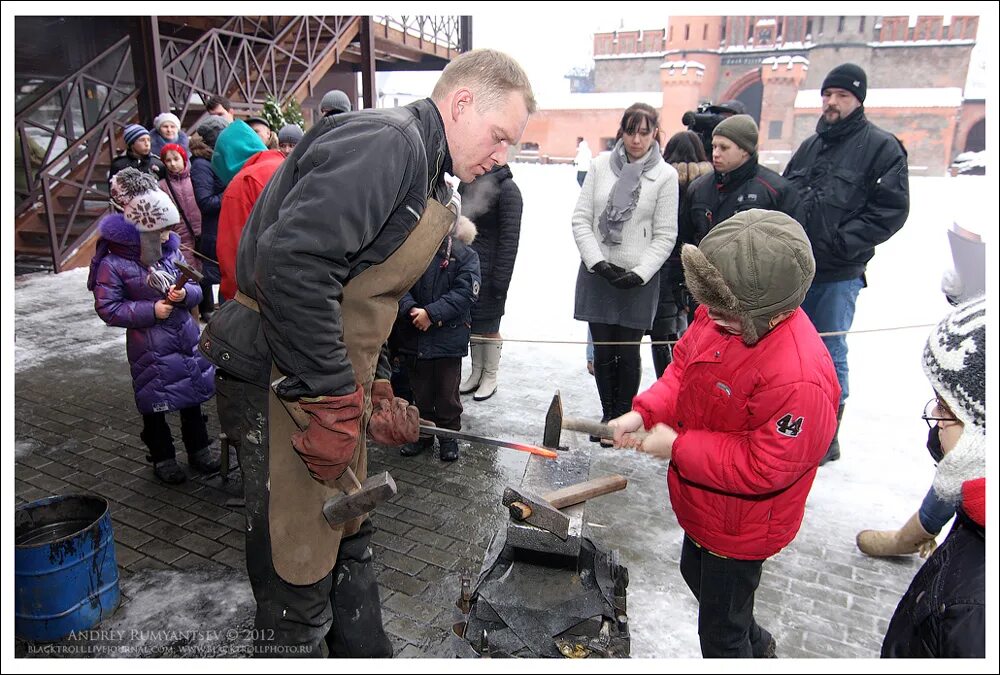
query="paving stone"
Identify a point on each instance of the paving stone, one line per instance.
(130, 536)
(162, 551)
(200, 545)
(413, 608)
(401, 562)
(392, 542)
(436, 556)
(231, 557)
(126, 556)
(175, 515)
(403, 583)
(207, 528)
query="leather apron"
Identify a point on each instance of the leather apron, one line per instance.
(303, 545)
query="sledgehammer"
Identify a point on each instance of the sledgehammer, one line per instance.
(555, 422)
(357, 499)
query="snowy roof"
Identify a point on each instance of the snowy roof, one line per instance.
(601, 101)
(928, 97)
(636, 55)
(683, 64)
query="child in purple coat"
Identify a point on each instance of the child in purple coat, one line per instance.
(132, 276)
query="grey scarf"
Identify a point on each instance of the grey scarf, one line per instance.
(625, 192)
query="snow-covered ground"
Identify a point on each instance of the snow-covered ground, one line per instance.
(884, 470)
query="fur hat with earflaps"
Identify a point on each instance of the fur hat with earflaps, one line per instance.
(955, 363)
(754, 266)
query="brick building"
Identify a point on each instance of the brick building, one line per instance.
(917, 70)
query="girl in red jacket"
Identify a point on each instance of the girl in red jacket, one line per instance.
(178, 185)
(744, 412)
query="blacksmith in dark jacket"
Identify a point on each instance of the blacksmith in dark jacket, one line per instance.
(494, 203)
(739, 182)
(344, 228)
(943, 613)
(854, 183)
(432, 334)
(138, 154)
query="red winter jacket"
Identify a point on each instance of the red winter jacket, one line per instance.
(753, 423)
(237, 203)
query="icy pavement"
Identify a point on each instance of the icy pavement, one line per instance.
(76, 428)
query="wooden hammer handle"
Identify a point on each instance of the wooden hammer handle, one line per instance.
(596, 428)
(581, 492)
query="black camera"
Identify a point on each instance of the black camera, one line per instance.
(703, 122)
(708, 116)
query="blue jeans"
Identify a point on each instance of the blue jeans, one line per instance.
(590, 346)
(935, 513)
(830, 306)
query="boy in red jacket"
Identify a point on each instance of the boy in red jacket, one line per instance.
(745, 412)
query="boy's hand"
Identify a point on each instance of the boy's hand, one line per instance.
(627, 423)
(174, 295)
(660, 442)
(420, 318)
(162, 309)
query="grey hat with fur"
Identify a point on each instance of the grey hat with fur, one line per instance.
(754, 266)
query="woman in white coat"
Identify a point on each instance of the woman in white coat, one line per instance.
(625, 225)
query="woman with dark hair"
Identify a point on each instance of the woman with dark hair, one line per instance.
(625, 225)
(686, 154)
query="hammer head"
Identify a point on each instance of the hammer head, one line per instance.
(189, 272)
(553, 423)
(375, 490)
(538, 512)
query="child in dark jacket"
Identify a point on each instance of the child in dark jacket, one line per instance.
(132, 276)
(432, 335)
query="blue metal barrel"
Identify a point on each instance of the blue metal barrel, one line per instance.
(66, 577)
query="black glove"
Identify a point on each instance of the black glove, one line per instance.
(627, 280)
(608, 270)
(682, 297)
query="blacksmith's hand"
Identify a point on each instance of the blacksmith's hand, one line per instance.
(394, 421)
(328, 443)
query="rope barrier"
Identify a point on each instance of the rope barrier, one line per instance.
(485, 340)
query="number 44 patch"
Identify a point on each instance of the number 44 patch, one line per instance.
(787, 427)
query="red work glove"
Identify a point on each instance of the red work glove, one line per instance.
(327, 445)
(394, 421)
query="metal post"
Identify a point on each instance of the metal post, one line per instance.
(147, 63)
(367, 38)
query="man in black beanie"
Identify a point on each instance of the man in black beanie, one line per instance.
(853, 180)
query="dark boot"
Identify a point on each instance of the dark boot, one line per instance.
(449, 449)
(762, 643)
(833, 452)
(629, 377)
(605, 374)
(414, 449)
(169, 471)
(206, 460)
(357, 630)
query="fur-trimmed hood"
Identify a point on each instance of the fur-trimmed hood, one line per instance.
(754, 266)
(688, 171)
(465, 230)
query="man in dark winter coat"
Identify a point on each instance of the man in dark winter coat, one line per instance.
(319, 273)
(853, 180)
(943, 613)
(138, 154)
(738, 184)
(494, 203)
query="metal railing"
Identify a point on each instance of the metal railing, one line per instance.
(250, 60)
(443, 31)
